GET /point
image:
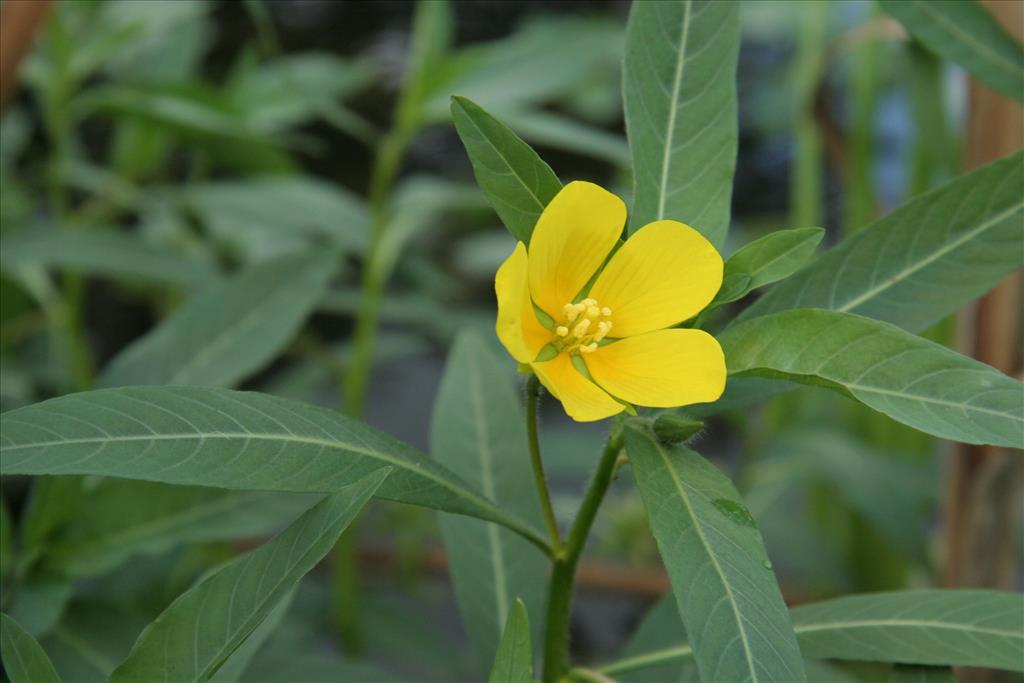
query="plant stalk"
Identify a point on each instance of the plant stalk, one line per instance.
(539, 478)
(563, 572)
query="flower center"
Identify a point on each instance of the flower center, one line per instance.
(582, 326)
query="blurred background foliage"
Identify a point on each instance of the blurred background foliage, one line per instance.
(157, 148)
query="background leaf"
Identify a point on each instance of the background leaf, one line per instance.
(924, 260)
(966, 34)
(679, 93)
(726, 592)
(24, 659)
(234, 440)
(514, 660)
(478, 432)
(104, 254)
(263, 214)
(193, 637)
(515, 179)
(910, 379)
(921, 674)
(230, 331)
(118, 519)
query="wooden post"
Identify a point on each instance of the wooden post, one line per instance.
(986, 484)
(19, 21)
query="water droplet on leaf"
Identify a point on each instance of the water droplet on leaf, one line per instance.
(734, 512)
(767, 564)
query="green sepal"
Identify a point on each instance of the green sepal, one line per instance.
(547, 353)
(543, 318)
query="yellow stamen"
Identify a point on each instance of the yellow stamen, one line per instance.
(606, 312)
(588, 348)
(561, 330)
(581, 328)
(570, 312)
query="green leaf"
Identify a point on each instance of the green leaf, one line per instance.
(726, 592)
(912, 380)
(515, 179)
(92, 638)
(295, 88)
(118, 519)
(967, 34)
(934, 627)
(38, 602)
(262, 214)
(561, 132)
(229, 439)
(24, 660)
(513, 662)
(193, 637)
(545, 60)
(767, 260)
(924, 260)
(236, 664)
(230, 331)
(921, 674)
(942, 627)
(679, 93)
(661, 628)
(103, 253)
(478, 432)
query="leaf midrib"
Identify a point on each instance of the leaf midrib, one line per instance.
(673, 108)
(487, 481)
(711, 555)
(337, 445)
(503, 158)
(669, 654)
(948, 247)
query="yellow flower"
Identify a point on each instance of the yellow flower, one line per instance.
(605, 345)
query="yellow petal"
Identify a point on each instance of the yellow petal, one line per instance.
(583, 400)
(570, 242)
(661, 369)
(517, 325)
(664, 274)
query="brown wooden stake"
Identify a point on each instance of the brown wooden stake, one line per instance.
(986, 484)
(19, 22)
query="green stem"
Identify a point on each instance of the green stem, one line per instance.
(354, 383)
(563, 572)
(539, 478)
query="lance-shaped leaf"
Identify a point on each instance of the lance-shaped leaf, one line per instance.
(767, 260)
(24, 659)
(104, 253)
(929, 627)
(941, 627)
(117, 519)
(679, 93)
(514, 660)
(228, 439)
(726, 592)
(965, 33)
(924, 260)
(229, 331)
(478, 432)
(515, 179)
(194, 636)
(915, 381)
